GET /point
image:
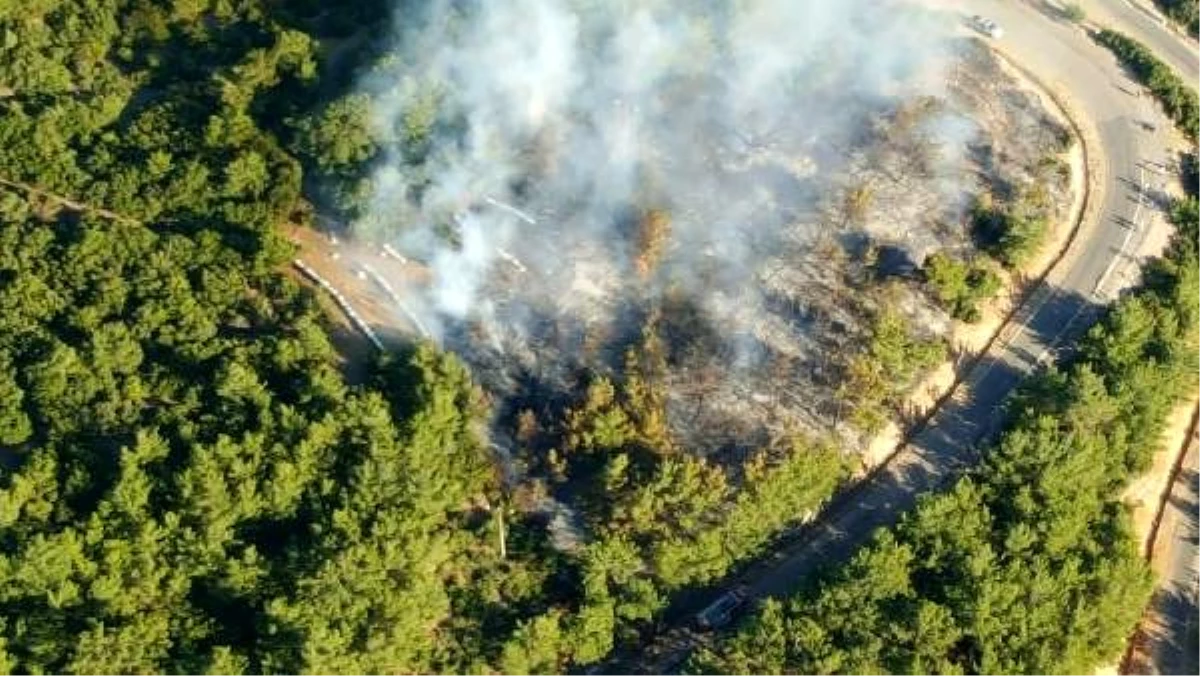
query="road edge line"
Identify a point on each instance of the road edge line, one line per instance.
(792, 538)
(962, 374)
(1131, 643)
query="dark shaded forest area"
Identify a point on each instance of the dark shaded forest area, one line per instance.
(1186, 13)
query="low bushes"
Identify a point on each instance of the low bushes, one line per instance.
(1177, 98)
(1014, 232)
(1186, 13)
(959, 285)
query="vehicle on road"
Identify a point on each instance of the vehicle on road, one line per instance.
(987, 27)
(720, 612)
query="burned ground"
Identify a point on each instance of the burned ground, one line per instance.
(836, 230)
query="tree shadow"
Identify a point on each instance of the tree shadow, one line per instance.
(1169, 642)
(1054, 325)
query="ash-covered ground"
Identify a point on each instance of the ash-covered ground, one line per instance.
(760, 205)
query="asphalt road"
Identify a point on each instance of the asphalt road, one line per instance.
(1174, 614)
(1179, 655)
(1140, 21)
(1173, 618)
(1062, 310)
(1099, 265)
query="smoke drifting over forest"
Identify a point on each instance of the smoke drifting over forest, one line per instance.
(555, 125)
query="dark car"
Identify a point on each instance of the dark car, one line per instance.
(720, 612)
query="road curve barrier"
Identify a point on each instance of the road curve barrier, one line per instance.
(341, 301)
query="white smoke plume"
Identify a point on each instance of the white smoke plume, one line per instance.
(530, 133)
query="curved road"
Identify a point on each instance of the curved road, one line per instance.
(1125, 157)
(1169, 628)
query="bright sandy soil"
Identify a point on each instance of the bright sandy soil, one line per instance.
(1146, 494)
(335, 262)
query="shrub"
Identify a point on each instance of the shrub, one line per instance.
(1177, 98)
(960, 285)
(1013, 234)
(1074, 12)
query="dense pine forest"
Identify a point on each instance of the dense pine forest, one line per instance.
(190, 483)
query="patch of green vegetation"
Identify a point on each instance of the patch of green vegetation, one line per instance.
(1014, 232)
(189, 484)
(1073, 11)
(199, 490)
(878, 377)
(660, 519)
(1177, 97)
(1186, 13)
(1028, 565)
(960, 286)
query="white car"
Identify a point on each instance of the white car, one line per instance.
(987, 27)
